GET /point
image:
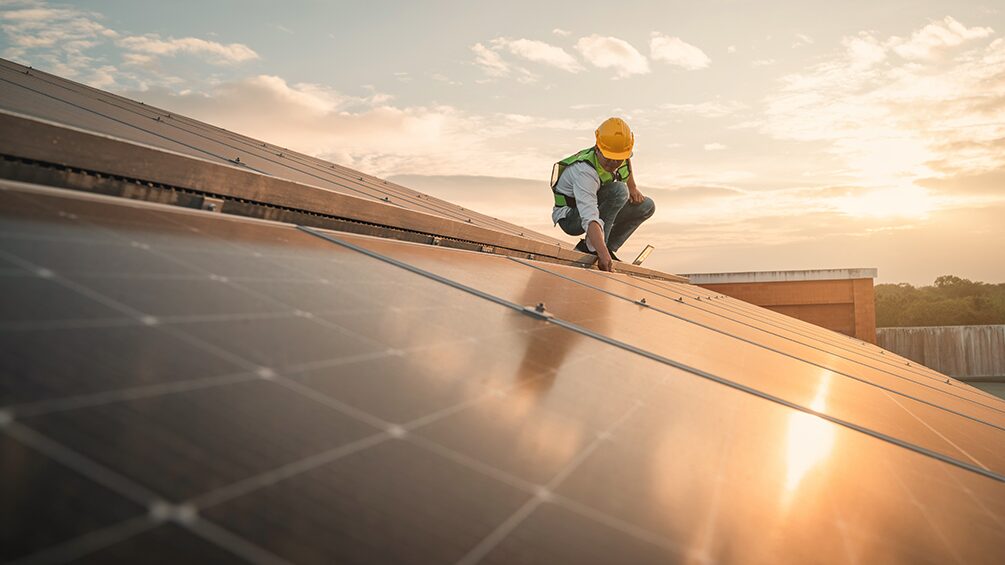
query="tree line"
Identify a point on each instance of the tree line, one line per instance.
(951, 301)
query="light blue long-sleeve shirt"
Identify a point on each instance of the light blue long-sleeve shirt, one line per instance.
(580, 181)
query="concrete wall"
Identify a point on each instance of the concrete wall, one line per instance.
(963, 352)
(841, 300)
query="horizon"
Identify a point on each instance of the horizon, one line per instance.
(769, 137)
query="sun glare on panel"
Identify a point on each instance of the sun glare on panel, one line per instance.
(810, 440)
(899, 202)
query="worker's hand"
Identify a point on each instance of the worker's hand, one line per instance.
(604, 261)
(635, 196)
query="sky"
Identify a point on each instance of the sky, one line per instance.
(771, 135)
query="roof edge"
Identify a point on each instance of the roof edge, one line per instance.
(782, 276)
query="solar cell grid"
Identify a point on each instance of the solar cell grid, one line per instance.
(470, 431)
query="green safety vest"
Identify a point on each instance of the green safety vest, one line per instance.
(590, 157)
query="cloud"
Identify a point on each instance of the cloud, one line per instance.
(613, 53)
(440, 77)
(709, 109)
(763, 63)
(935, 37)
(539, 52)
(211, 51)
(802, 39)
(892, 120)
(676, 51)
(713, 147)
(561, 32)
(369, 132)
(74, 43)
(495, 67)
(988, 183)
(58, 39)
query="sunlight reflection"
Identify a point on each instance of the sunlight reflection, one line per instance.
(810, 440)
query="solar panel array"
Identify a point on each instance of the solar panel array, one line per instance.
(39, 94)
(179, 385)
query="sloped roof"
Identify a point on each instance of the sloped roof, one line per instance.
(199, 386)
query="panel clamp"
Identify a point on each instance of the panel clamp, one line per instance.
(538, 311)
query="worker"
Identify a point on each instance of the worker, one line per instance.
(595, 194)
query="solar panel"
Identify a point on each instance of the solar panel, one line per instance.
(40, 94)
(751, 359)
(191, 386)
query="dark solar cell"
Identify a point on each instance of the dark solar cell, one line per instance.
(185, 444)
(392, 503)
(43, 299)
(162, 545)
(553, 534)
(42, 503)
(93, 360)
(278, 342)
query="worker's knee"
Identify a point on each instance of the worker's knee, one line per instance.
(648, 208)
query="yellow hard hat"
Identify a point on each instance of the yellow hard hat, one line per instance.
(615, 139)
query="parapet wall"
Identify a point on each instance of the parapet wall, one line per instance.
(841, 300)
